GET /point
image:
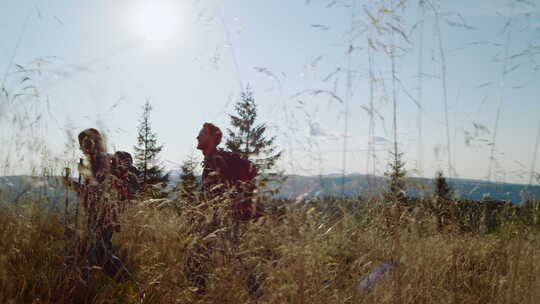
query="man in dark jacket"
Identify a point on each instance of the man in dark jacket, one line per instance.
(225, 171)
(226, 177)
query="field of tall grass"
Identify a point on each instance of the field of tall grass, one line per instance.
(302, 254)
(319, 250)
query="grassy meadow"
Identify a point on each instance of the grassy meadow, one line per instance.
(407, 61)
(301, 254)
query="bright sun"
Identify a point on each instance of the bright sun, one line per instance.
(157, 20)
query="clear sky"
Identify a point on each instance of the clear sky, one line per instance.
(93, 64)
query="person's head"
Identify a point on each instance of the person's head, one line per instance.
(91, 142)
(209, 137)
(121, 162)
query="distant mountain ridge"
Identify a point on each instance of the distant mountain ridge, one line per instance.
(357, 184)
(48, 189)
(14, 188)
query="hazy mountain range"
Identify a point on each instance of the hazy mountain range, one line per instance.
(366, 185)
(16, 188)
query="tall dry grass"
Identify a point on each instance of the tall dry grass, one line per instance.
(301, 256)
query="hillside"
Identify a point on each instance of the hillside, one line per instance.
(367, 185)
(13, 188)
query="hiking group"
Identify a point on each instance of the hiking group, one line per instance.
(106, 180)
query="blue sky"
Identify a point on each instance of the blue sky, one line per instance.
(97, 66)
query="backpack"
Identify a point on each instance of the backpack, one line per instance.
(235, 168)
(240, 173)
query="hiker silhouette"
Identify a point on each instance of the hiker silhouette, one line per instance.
(98, 196)
(227, 179)
(224, 171)
(126, 175)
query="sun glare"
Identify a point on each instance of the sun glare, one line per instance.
(157, 20)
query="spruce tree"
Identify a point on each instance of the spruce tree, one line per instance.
(248, 138)
(442, 200)
(442, 189)
(189, 186)
(147, 154)
(397, 179)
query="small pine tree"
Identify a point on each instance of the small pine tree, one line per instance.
(189, 185)
(147, 155)
(249, 140)
(442, 189)
(397, 179)
(442, 200)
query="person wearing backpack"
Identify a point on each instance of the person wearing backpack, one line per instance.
(125, 174)
(224, 171)
(98, 198)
